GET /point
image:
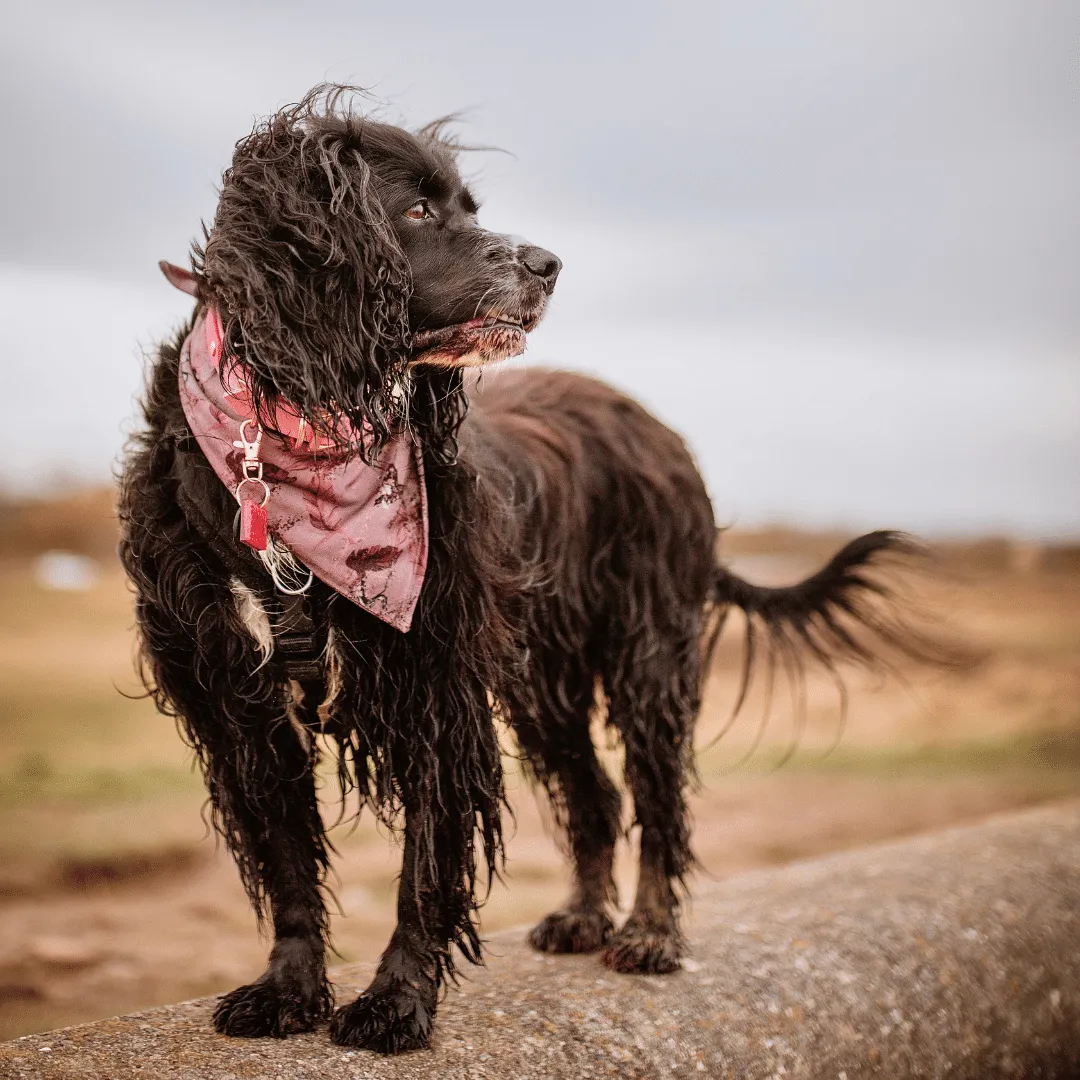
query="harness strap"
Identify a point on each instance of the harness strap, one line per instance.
(296, 639)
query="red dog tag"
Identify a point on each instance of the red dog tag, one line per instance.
(253, 530)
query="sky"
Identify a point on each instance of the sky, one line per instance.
(835, 244)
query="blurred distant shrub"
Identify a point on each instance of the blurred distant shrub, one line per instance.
(82, 522)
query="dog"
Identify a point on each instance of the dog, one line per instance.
(544, 547)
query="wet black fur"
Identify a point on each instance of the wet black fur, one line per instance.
(572, 560)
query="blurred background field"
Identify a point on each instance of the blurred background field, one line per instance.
(835, 245)
(113, 896)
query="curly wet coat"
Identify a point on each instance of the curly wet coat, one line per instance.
(572, 564)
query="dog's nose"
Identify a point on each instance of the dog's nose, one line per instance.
(541, 263)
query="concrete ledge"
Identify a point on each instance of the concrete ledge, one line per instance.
(952, 954)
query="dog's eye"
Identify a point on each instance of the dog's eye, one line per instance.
(419, 211)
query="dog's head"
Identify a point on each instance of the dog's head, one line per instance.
(475, 294)
(348, 265)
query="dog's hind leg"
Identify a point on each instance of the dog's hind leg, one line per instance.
(258, 769)
(585, 802)
(654, 696)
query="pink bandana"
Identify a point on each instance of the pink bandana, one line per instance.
(362, 529)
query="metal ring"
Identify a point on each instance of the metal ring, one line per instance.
(289, 590)
(254, 480)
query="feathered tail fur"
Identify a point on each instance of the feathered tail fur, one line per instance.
(846, 613)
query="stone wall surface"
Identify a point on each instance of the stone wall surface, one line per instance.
(948, 955)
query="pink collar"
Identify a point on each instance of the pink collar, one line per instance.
(360, 528)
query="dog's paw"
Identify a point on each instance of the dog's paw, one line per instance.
(272, 1005)
(572, 931)
(642, 950)
(390, 1021)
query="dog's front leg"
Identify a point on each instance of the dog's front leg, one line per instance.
(397, 1010)
(265, 789)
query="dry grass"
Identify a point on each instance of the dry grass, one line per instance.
(113, 897)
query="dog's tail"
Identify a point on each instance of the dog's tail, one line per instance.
(849, 612)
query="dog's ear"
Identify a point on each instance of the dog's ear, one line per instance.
(179, 278)
(307, 273)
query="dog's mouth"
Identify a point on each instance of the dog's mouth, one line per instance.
(484, 340)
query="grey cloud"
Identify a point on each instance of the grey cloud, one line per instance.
(906, 165)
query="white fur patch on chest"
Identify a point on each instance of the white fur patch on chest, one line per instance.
(253, 615)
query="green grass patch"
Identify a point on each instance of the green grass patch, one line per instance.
(67, 720)
(1056, 752)
(34, 779)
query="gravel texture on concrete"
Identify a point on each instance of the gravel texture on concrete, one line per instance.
(947, 955)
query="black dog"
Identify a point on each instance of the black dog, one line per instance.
(572, 557)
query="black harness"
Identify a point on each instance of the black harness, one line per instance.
(297, 640)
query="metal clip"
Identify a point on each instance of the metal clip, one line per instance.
(252, 466)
